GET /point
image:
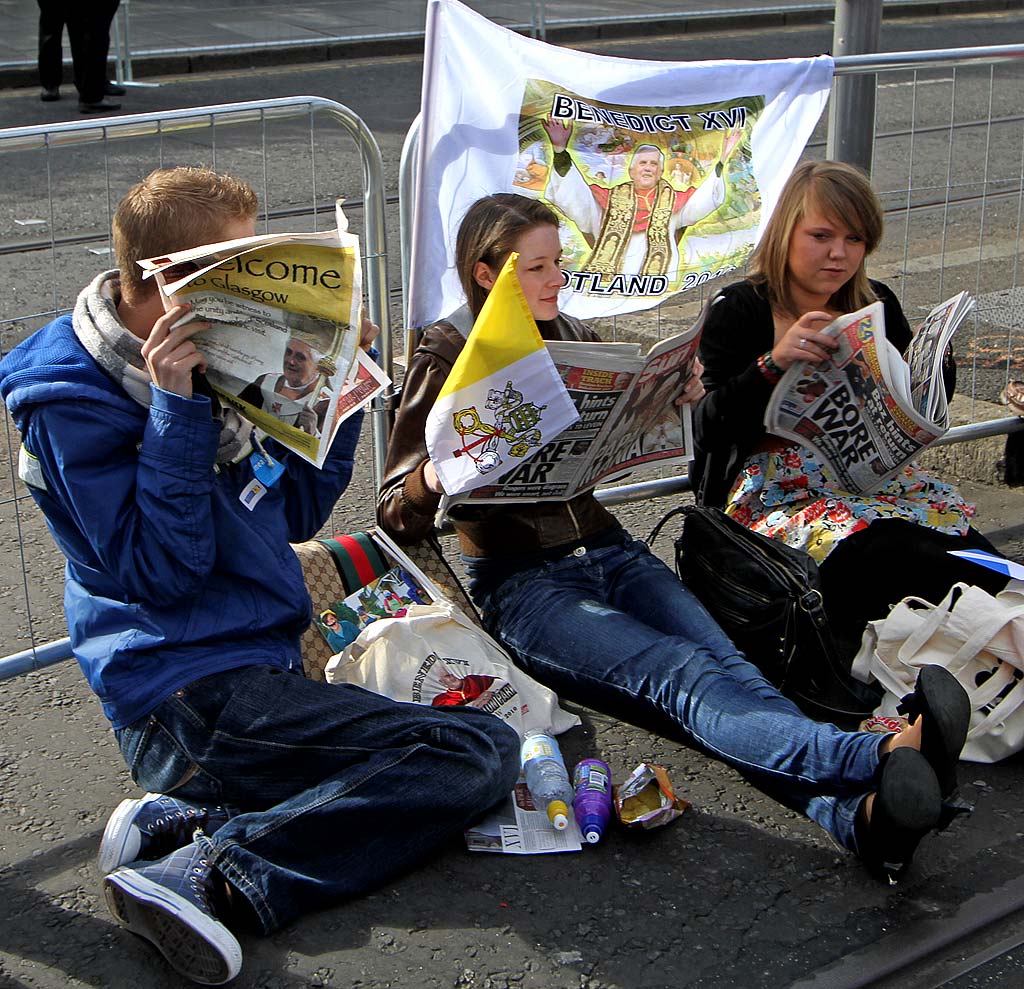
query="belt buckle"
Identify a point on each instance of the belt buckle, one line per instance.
(579, 551)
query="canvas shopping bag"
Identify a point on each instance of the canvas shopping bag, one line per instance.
(436, 655)
(978, 638)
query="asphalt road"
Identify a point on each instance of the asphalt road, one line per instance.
(738, 892)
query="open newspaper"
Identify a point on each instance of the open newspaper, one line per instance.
(285, 315)
(628, 419)
(869, 410)
(365, 381)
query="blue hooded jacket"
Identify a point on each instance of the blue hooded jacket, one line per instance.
(169, 576)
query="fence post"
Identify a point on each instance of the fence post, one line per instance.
(851, 119)
(123, 49)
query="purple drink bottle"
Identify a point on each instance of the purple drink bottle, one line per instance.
(592, 804)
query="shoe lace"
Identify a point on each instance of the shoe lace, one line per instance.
(198, 881)
(181, 823)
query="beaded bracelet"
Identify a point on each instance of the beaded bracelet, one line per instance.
(767, 366)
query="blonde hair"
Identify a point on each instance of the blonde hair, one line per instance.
(843, 194)
(489, 232)
(173, 209)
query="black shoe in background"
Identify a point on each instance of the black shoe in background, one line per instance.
(113, 89)
(100, 106)
(49, 95)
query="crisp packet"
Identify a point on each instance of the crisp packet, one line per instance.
(646, 799)
(882, 725)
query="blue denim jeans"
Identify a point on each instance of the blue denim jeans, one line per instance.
(613, 628)
(339, 789)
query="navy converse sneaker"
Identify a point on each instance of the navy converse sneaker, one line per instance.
(168, 903)
(154, 826)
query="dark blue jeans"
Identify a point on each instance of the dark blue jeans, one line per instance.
(613, 628)
(339, 789)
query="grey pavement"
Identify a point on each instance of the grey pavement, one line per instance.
(170, 35)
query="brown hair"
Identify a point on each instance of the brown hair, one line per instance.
(489, 232)
(173, 209)
(844, 194)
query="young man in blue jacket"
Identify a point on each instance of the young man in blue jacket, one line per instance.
(271, 794)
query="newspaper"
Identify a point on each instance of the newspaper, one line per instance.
(389, 596)
(518, 828)
(627, 419)
(285, 315)
(868, 411)
(365, 381)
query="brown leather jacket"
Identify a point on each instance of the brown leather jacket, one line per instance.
(406, 507)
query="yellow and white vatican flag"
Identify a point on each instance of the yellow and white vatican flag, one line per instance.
(503, 399)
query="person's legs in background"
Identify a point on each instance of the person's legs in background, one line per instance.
(51, 53)
(89, 32)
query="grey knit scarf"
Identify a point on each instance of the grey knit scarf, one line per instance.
(119, 352)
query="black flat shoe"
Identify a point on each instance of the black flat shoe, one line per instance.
(907, 806)
(946, 712)
(49, 95)
(100, 106)
(114, 89)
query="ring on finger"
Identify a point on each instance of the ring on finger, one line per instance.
(803, 343)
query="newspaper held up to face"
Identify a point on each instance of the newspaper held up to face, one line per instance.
(285, 315)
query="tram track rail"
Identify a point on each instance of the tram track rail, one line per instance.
(934, 952)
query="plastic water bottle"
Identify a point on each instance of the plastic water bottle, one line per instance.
(546, 777)
(592, 804)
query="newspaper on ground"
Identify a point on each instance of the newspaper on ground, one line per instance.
(284, 311)
(519, 828)
(868, 411)
(627, 419)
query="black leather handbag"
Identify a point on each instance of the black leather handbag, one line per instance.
(767, 598)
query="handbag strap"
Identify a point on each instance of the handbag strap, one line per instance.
(1000, 713)
(656, 531)
(987, 691)
(358, 560)
(931, 618)
(982, 634)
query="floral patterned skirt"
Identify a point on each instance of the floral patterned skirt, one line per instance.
(790, 495)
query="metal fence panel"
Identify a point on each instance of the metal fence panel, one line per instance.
(948, 164)
(62, 183)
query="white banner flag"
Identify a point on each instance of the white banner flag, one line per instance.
(663, 174)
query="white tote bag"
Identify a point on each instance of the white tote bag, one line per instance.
(435, 655)
(978, 638)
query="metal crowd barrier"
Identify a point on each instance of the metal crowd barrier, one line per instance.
(956, 154)
(62, 182)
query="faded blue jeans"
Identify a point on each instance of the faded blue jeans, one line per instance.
(614, 629)
(339, 789)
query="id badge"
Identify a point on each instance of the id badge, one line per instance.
(251, 494)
